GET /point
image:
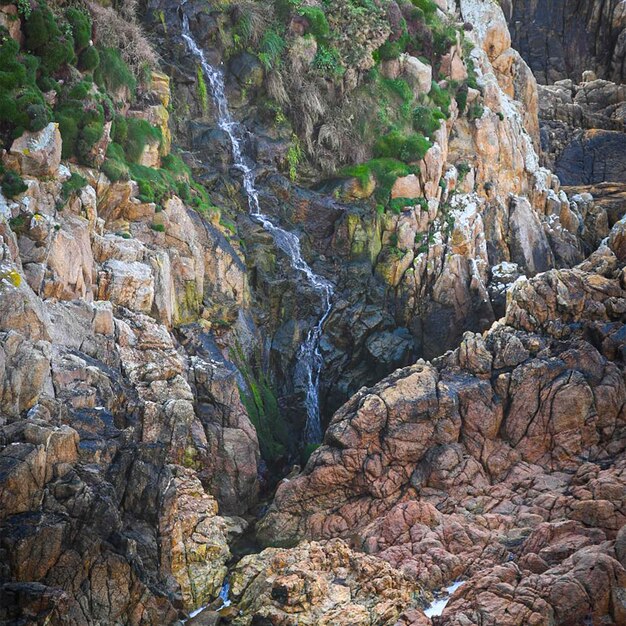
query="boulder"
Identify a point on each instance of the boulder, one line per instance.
(36, 153)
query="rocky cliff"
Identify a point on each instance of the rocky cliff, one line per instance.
(473, 383)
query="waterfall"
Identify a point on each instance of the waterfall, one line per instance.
(309, 360)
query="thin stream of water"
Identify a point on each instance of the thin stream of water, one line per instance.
(309, 361)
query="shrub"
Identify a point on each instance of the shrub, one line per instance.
(81, 27)
(392, 49)
(397, 204)
(89, 59)
(89, 135)
(328, 61)
(318, 24)
(13, 184)
(140, 133)
(115, 170)
(72, 185)
(461, 97)
(113, 73)
(476, 111)
(463, 169)
(119, 130)
(427, 120)
(159, 228)
(38, 116)
(396, 145)
(441, 98)
(69, 134)
(43, 36)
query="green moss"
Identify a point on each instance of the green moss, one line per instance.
(386, 171)
(159, 228)
(294, 156)
(203, 93)
(307, 451)
(261, 404)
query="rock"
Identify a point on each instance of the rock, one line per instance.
(581, 41)
(127, 284)
(322, 583)
(407, 187)
(489, 22)
(529, 246)
(160, 86)
(9, 19)
(36, 154)
(594, 157)
(418, 74)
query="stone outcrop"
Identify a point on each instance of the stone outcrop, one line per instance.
(121, 449)
(321, 583)
(561, 39)
(501, 463)
(129, 464)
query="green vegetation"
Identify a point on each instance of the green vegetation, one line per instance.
(80, 23)
(327, 61)
(159, 228)
(307, 451)
(43, 37)
(12, 183)
(22, 105)
(203, 93)
(113, 73)
(294, 156)
(407, 148)
(261, 405)
(318, 23)
(463, 169)
(89, 59)
(386, 171)
(427, 120)
(272, 47)
(139, 134)
(72, 185)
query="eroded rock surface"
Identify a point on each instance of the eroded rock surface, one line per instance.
(502, 463)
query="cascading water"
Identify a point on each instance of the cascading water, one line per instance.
(309, 360)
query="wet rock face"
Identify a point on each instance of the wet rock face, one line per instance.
(561, 39)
